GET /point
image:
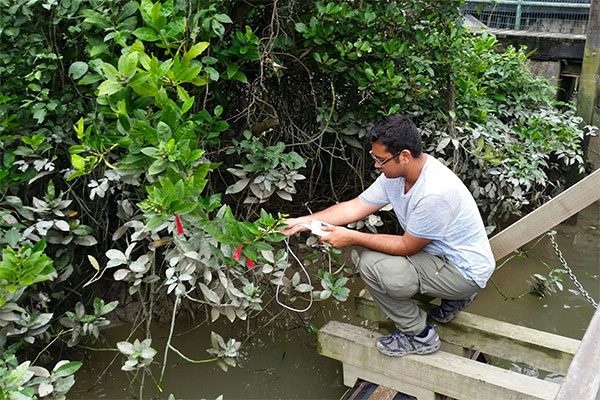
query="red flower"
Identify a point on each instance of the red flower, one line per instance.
(179, 226)
(238, 253)
(249, 263)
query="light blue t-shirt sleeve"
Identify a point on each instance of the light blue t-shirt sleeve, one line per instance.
(375, 194)
(430, 218)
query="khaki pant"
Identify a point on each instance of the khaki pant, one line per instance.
(393, 280)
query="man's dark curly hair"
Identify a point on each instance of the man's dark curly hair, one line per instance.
(397, 132)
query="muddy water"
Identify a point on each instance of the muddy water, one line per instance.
(273, 365)
(566, 313)
(285, 363)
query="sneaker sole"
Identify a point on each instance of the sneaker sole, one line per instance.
(451, 316)
(420, 351)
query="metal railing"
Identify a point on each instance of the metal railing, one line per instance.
(559, 16)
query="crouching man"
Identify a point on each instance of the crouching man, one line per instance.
(444, 251)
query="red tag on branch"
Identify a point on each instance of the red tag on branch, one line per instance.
(249, 263)
(179, 226)
(238, 253)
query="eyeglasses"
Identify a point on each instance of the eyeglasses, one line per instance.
(382, 163)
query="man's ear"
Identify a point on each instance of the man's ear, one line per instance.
(406, 155)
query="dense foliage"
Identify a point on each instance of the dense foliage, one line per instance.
(149, 145)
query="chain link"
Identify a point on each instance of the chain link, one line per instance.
(571, 274)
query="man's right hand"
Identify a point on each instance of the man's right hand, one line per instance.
(293, 225)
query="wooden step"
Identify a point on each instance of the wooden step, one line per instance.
(538, 349)
(423, 376)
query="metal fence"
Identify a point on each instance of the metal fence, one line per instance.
(557, 16)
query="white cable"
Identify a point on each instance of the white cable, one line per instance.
(316, 227)
(310, 292)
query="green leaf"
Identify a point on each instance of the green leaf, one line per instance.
(163, 132)
(195, 51)
(79, 128)
(89, 79)
(78, 69)
(179, 189)
(132, 62)
(199, 81)
(109, 87)
(208, 60)
(238, 186)
(300, 27)
(184, 208)
(263, 246)
(67, 369)
(8, 159)
(156, 221)
(75, 175)
(40, 115)
(353, 142)
(98, 49)
(150, 151)
(146, 34)
(94, 18)
(109, 307)
(166, 9)
(162, 97)
(182, 94)
(175, 27)
(110, 71)
(224, 18)
(218, 110)
(239, 76)
(12, 237)
(187, 105)
(164, 67)
(191, 74)
(232, 69)
(212, 73)
(16, 374)
(78, 162)
(157, 167)
(82, 230)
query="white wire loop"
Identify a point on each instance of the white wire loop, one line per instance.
(288, 252)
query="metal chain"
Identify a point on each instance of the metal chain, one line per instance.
(571, 274)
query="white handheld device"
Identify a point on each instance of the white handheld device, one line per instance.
(316, 227)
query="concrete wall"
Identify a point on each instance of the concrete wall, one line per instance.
(547, 69)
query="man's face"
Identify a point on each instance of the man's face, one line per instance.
(391, 165)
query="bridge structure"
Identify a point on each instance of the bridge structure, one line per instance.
(554, 31)
(564, 38)
(453, 370)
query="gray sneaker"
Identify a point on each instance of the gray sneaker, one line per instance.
(450, 308)
(400, 344)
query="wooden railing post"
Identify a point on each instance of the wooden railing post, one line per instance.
(588, 96)
(583, 380)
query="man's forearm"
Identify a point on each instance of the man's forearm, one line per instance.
(344, 213)
(390, 244)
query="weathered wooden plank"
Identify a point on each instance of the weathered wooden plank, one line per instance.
(583, 380)
(539, 349)
(439, 372)
(555, 211)
(547, 46)
(353, 373)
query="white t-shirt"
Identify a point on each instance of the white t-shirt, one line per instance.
(439, 207)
